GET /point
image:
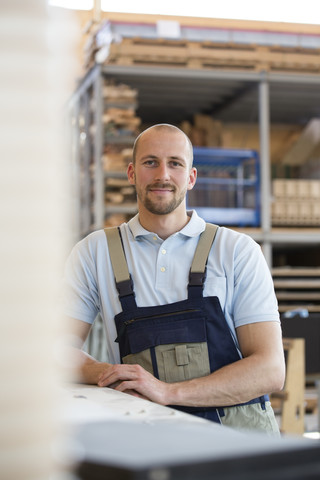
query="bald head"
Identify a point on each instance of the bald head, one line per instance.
(163, 128)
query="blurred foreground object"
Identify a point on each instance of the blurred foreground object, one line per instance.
(34, 51)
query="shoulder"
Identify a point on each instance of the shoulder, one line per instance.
(90, 246)
(234, 240)
(233, 251)
(92, 240)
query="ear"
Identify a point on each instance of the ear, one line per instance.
(130, 174)
(192, 178)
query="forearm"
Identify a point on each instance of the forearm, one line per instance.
(236, 383)
(261, 371)
(88, 369)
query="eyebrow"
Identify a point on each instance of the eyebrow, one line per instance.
(145, 157)
(172, 157)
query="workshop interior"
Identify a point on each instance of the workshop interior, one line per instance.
(78, 84)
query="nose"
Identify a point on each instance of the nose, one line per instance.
(162, 172)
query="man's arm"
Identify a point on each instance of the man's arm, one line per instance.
(261, 371)
(88, 369)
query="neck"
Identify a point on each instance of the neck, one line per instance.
(163, 225)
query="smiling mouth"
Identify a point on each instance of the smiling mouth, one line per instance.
(161, 188)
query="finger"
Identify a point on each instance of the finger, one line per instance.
(108, 379)
(127, 385)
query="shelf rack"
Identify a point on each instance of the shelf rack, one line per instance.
(227, 190)
(187, 91)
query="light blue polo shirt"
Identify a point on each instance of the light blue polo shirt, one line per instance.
(237, 274)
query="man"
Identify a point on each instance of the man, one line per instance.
(237, 299)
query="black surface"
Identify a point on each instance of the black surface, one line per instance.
(309, 329)
(163, 451)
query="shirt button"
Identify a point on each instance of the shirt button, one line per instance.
(163, 251)
(162, 269)
(154, 238)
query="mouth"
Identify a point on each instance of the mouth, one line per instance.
(161, 188)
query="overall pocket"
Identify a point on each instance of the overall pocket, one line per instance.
(171, 346)
(178, 362)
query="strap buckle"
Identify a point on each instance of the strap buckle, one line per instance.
(125, 287)
(197, 279)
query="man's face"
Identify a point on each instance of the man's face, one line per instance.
(162, 173)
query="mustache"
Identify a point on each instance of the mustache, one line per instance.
(161, 185)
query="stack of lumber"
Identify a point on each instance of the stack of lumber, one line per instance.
(105, 45)
(99, 36)
(213, 55)
(297, 288)
(119, 114)
(116, 159)
(296, 202)
(119, 93)
(205, 131)
(118, 191)
(289, 47)
(121, 126)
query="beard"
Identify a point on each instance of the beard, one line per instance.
(161, 206)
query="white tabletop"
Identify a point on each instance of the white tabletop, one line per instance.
(88, 403)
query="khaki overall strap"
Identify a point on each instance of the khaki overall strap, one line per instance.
(119, 263)
(118, 259)
(203, 248)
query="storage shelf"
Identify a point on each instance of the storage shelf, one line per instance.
(299, 236)
(297, 288)
(170, 95)
(227, 190)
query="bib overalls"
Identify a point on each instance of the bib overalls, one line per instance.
(178, 341)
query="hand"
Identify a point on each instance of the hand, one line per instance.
(136, 381)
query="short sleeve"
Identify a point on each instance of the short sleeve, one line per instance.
(254, 296)
(79, 294)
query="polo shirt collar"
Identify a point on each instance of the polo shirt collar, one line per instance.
(194, 227)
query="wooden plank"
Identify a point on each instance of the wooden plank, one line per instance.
(298, 296)
(296, 272)
(298, 284)
(210, 54)
(293, 409)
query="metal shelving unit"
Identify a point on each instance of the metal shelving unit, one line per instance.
(88, 139)
(227, 190)
(166, 95)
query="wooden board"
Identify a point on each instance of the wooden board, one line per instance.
(207, 54)
(297, 288)
(293, 408)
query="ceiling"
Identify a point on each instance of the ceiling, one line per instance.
(171, 95)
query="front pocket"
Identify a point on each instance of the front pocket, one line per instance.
(182, 327)
(170, 345)
(175, 362)
(180, 362)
